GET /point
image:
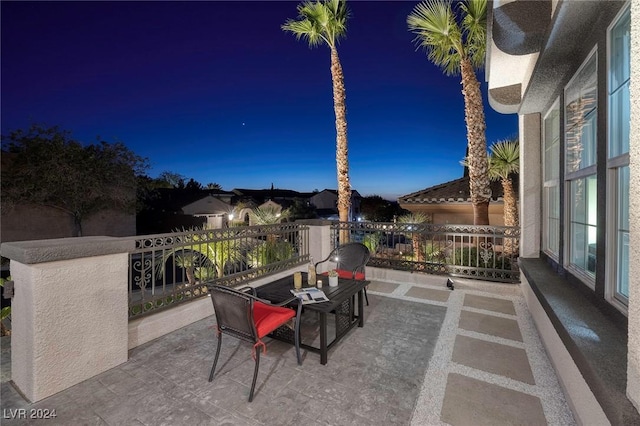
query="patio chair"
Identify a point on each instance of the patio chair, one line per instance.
(350, 260)
(246, 317)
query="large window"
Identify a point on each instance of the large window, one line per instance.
(580, 108)
(618, 158)
(551, 194)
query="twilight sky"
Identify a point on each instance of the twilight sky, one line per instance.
(216, 91)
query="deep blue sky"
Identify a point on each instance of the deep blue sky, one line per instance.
(216, 91)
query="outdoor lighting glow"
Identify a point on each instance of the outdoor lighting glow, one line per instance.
(230, 216)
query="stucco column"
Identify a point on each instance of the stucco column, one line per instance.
(530, 185)
(69, 311)
(633, 357)
(319, 238)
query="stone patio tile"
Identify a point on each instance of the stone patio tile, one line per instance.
(491, 325)
(382, 287)
(469, 401)
(428, 294)
(490, 304)
(493, 357)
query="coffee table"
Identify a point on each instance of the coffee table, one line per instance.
(341, 304)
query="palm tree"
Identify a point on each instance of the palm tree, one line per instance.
(416, 237)
(457, 45)
(504, 160)
(325, 22)
(273, 249)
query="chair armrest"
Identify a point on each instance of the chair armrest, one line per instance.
(247, 289)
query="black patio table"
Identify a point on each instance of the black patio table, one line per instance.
(341, 304)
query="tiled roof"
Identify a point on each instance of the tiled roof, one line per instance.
(455, 191)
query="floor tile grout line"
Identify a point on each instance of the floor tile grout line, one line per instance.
(431, 397)
(494, 379)
(491, 338)
(489, 312)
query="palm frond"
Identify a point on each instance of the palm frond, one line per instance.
(504, 159)
(319, 21)
(474, 27)
(434, 24)
(415, 217)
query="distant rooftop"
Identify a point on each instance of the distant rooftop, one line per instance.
(451, 192)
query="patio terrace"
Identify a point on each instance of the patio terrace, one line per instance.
(426, 355)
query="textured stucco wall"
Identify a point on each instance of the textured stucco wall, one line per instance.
(69, 320)
(633, 361)
(530, 185)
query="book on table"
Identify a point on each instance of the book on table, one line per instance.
(310, 295)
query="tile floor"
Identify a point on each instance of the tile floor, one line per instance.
(426, 356)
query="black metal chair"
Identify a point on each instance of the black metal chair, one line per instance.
(350, 260)
(246, 317)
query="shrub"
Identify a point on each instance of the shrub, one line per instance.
(469, 256)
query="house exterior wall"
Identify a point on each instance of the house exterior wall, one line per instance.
(32, 222)
(577, 32)
(530, 185)
(207, 205)
(457, 213)
(325, 200)
(633, 360)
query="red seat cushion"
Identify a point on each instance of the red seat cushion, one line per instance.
(268, 318)
(342, 273)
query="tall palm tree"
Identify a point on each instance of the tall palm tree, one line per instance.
(457, 44)
(504, 160)
(325, 22)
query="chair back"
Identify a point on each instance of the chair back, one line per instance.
(234, 312)
(351, 257)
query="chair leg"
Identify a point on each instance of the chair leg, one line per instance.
(255, 375)
(366, 298)
(297, 332)
(215, 361)
(297, 340)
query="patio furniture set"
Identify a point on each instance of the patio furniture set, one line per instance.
(250, 314)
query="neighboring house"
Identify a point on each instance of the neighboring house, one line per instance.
(450, 202)
(326, 203)
(210, 207)
(570, 70)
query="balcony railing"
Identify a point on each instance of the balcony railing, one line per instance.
(168, 269)
(482, 252)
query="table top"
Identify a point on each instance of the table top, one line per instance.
(279, 291)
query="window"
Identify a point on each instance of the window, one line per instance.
(619, 118)
(551, 194)
(580, 108)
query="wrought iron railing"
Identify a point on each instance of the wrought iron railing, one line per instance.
(482, 252)
(168, 269)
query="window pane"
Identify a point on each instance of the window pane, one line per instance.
(619, 78)
(619, 121)
(580, 113)
(620, 52)
(551, 144)
(583, 224)
(622, 270)
(552, 201)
